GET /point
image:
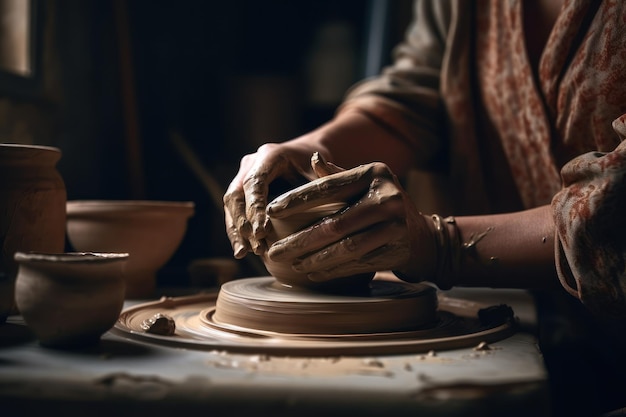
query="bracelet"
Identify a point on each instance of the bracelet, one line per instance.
(449, 254)
(449, 251)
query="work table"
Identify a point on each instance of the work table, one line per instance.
(123, 377)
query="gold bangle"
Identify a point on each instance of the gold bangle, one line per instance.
(448, 251)
(448, 256)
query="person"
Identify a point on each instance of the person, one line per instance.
(519, 110)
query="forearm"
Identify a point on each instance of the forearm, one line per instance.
(353, 139)
(513, 250)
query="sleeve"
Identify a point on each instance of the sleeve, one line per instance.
(405, 97)
(590, 220)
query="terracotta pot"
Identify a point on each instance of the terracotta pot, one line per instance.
(70, 299)
(32, 210)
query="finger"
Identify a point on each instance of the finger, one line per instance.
(259, 246)
(375, 261)
(357, 247)
(343, 186)
(255, 188)
(372, 209)
(239, 244)
(235, 200)
(322, 167)
(238, 228)
(256, 185)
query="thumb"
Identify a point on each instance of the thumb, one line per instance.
(321, 167)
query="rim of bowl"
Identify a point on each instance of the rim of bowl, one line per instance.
(73, 257)
(29, 146)
(82, 206)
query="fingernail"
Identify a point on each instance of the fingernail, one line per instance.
(316, 276)
(258, 247)
(259, 230)
(240, 251)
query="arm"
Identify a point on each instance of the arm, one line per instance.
(590, 224)
(513, 250)
(382, 230)
(582, 230)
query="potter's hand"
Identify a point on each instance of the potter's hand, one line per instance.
(381, 229)
(246, 197)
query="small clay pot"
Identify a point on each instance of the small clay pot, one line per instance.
(284, 274)
(70, 299)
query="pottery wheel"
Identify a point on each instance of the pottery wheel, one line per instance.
(457, 323)
(263, 304)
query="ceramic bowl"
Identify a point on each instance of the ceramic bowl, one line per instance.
(150, 231)
(69, 299)
(284, 274)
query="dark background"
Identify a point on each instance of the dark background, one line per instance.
(120, 79)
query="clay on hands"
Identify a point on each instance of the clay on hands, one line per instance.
(380, 229)
(246, 198)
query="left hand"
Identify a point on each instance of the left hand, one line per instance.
(381, 229)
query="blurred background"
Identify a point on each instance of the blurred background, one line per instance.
(159, 100)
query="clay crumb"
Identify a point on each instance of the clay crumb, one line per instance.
(482, 346)
(423, 377)
(260, 358)
(161, 324)
(373, 362)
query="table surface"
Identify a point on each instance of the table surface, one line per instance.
(122, 377)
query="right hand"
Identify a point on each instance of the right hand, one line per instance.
(246, 198)
(379, 229)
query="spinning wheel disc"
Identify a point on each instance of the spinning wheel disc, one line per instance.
(456, 323)
(266, 305)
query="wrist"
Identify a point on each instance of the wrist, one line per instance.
(423, 250)
(449, 251)
(442, 263)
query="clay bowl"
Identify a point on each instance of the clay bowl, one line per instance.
(150, 231)
(69, 299)
(284, 274)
